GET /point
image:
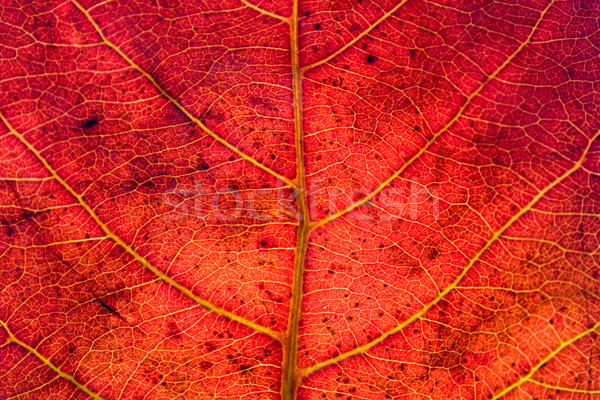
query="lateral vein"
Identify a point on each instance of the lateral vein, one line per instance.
(47, 362)
(356, 39)
(563, 388)
(554, 353)
(445, 128)
(176, 103)
(161, 275)
(366, 347)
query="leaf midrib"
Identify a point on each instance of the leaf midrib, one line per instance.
(290, 378)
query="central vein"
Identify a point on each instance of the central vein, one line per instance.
(291, 377)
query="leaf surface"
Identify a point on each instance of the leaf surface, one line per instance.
(299, 200)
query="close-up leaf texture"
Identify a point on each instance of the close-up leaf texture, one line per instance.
(300, 199)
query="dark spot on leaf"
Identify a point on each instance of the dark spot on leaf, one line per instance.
(90, 123)
(371, 58)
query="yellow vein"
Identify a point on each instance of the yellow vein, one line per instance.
(562, 388)
(265, 12)
(439, 133)
(356, 39)
(161, 275)
(291, 379)
(550, 356)
(163, 92)
(70, 378)
(365, 347)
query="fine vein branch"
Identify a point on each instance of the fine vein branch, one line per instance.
(109, 233)
(174, 101)
(265, 12)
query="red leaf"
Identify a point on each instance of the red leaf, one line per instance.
(299, 200)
